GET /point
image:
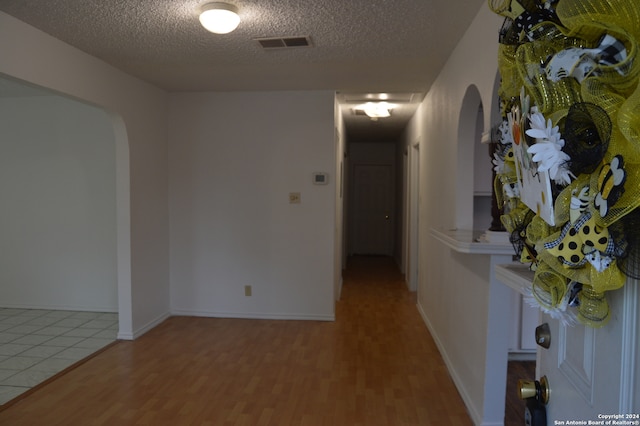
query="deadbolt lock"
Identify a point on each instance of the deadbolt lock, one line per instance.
(534, 389)
(543, 335)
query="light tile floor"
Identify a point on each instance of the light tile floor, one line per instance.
(36, 344)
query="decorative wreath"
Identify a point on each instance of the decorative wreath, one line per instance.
(567, 158)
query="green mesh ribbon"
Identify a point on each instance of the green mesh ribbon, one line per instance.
(598, 113)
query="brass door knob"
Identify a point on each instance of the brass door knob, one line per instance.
(527, 389)
(534, 389)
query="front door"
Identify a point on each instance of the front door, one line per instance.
(373, 209)
(592, 372)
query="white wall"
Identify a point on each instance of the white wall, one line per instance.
(58, 220)
(402, 200)
(453, 288)
(138, 114)
(234, 159)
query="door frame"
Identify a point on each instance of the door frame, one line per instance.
(412, 217)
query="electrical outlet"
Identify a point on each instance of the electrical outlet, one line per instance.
(294, 198)
(247, 290)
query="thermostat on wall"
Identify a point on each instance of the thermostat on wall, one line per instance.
(320, 178)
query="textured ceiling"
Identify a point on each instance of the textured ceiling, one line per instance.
(357, 45)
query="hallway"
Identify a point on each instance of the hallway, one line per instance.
(375, 365)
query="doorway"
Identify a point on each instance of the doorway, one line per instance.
(372, 215)
(59, 275)
(58, 185)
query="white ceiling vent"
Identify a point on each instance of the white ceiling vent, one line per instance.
(283, 42)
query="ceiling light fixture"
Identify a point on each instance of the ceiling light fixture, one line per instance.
(219, 18)
(377, 110)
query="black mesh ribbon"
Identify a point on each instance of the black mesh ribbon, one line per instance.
(587, 130)
(629, 262)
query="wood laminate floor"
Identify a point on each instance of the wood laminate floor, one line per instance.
(375, 365)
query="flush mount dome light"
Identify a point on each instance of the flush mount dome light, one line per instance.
(378, 109)
(219, 18)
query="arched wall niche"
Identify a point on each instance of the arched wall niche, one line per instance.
(495, 119)
(473, 184)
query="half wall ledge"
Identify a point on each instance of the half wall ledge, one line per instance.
(470, 242)
(488, 408)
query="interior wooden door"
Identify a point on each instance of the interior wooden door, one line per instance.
(373, 209)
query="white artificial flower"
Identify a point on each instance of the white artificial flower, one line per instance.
(547, 151)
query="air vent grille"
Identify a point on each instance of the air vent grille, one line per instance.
(283, 42)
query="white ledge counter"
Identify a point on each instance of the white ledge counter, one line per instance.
(472, 242)
(518, 276)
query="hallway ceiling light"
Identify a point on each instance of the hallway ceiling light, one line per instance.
(377, 110)
(219, 18)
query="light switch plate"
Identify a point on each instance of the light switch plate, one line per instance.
(294, 198)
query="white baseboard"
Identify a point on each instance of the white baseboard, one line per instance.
(244, 315)
(476, 417)
(142, 330)
(151, 324)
